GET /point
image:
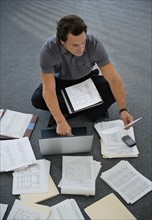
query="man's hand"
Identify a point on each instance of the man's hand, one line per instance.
(126, 117)
(63, 129)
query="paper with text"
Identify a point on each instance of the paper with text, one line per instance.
(22, 210)
(83, 94)
(127, 181)
(34, 179)
(68, 209)
(16, 154)
(78, 175)
(14, 124)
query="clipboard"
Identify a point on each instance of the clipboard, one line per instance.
(29, 128)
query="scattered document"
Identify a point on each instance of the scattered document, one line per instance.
(16, 124)
(127, 181)
(112, 145)
(16, 154)
(109, 208)
(39, 197)
(81, 96)
(78, 175)
(34, 179)
(23, 210)
(68, 209)
(3, 208)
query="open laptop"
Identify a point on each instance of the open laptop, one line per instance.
(50, 143)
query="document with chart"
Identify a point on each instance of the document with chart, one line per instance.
(127, 181)
(81, 96)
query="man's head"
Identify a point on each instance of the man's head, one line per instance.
(71, 31)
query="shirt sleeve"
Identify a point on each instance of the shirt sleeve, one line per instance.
(99, 54)
(47, 59)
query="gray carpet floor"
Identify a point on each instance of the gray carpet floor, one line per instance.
(124, 27)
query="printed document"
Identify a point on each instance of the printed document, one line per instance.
(68, 209)
(112, 145)
(81, 96)
(39, 197)
(16, 154)
(14, 124)
(127, 181)
(34, 179)
(78, 175)
(22, 210)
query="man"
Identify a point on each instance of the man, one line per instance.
(67, 59)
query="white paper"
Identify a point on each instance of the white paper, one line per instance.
(127, 181)
(78, 175)
(3, 208)
(14, 124)
(21, 210)
(68, 209)
(16, 154)
(83, 94)
(34, 179)
(114, 138)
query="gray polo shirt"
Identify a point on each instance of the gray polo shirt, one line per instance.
(55, 59)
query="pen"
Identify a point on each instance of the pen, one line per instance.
(133, 122)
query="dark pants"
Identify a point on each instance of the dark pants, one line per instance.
(92, 113)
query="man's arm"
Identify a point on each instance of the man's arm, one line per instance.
(51, 100)
(117, 88)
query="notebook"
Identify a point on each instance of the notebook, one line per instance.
(51, 143)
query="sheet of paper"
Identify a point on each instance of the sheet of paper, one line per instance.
(127, 181)
(14, 124)
(68, 209)
(83, 94)
(3, 208)
(100, 209)
(16, 154)
(114, 138)
(34, 179)
(111, 151)
(22, 210)
(39, 197)
(78, 175)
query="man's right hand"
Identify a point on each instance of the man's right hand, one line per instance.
(63, 129)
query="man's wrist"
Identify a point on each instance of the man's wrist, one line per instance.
(122, 110)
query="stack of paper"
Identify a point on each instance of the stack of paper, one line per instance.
(68, 209)
(34, 179)
(78, 175)
(109, 208)
(16, 154)
(127, 181)
(23, 210)
(39, 197)
(112, 146)
(16, 124)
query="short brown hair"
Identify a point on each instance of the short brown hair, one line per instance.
(70, 24)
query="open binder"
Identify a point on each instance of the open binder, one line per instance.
(16, 124)
(81, 96)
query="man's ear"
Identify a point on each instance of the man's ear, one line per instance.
(62, 42)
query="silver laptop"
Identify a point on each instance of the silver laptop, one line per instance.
(50, 143)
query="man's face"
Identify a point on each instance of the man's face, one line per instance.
(75, 44)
